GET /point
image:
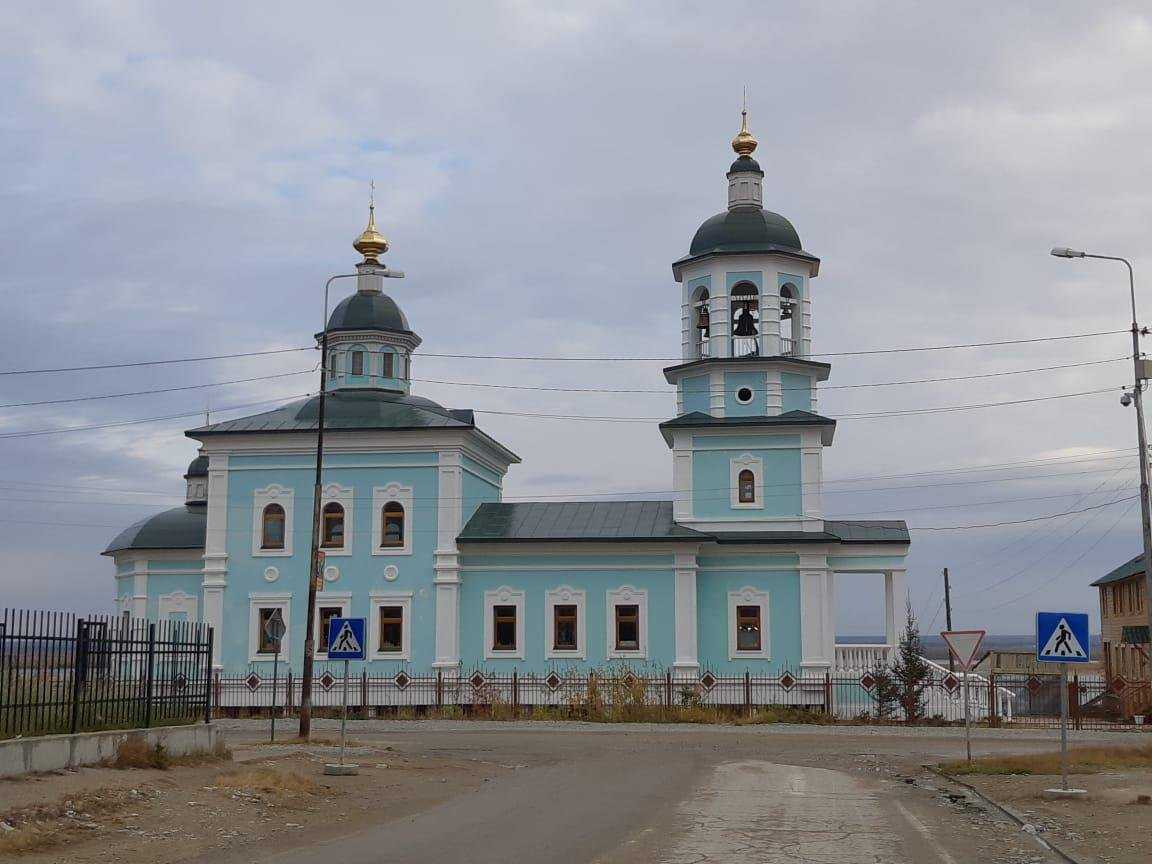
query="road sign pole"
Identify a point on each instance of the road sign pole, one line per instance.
(275, 673)
(967, 720)
(344, 714)
(1064, 726)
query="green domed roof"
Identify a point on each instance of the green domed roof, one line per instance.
(179, 528)
(368, 311)
(198, 467)
(745, 229)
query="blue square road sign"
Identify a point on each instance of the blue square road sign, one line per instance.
(346, 638)
(1062, 637)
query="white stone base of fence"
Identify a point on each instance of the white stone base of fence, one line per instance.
(54, 752)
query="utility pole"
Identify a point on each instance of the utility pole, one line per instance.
(948, 617)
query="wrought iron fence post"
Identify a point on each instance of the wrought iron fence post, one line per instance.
(668, 688)
(828, 693)
(439, 689)
(148, 680)
(79, 672)
(515, 693)
(993, 708)
(1074, 694)
(364, 692)
(747, 692)
(208, 684)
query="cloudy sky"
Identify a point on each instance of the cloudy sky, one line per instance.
(178, 180)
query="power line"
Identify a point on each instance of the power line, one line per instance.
(152, 362)
(1016, 521)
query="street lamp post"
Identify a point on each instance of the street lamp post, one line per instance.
(1138, 366)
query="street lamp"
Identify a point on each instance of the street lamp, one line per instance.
(1139, 366)
(315, 568)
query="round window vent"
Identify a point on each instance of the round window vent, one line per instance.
(744, 395)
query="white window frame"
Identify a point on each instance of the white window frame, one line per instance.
(273, 493)
(403, 599)
(334, 493)
(176, 602)
(626, 595)
(746, 462)
(749, 596)
(257, 601)
(343, 599)
(565, 595)
(403, 496)
(503, 596)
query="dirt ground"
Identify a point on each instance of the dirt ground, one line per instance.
(1109, 826)
(150, 816)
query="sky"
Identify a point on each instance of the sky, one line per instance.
(178, 180)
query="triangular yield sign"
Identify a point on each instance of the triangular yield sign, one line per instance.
(346, 641)
(963, 644)
(1063, 643)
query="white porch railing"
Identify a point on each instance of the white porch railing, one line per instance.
(860, 658)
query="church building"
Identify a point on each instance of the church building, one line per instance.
(739, 571)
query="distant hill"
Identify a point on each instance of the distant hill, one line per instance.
(935, 649)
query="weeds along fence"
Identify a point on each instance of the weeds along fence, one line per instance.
(623, 693)
(62, 672)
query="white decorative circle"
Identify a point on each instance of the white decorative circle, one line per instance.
(331, 573)
(391, 572)
(271, 574)
(744, 395)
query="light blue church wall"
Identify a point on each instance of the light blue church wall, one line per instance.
(783, 589)
(796, 391)
(168, 583)
(651, 573)
(695, 390)
(754, 381)
(712, 482)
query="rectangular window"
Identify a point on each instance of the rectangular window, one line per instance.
(627, 627)
(357, 363)
(503, 628)
(333, 364)
(564, 627)
(748, 628)
(326, 614)
(266, 644)
(389, 361)
(391, 629)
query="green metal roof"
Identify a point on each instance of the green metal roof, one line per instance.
(746, 165)
(821, 369)
(198, 467)
(348, 410)
(178, 528)
(623, 521)
(366, 310)
(700, 420)
(1126, 570)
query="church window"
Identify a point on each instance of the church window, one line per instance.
(504, 627)
(627, 627)
(266, 644)
(702, 322)
(325, 614)
(332, 526)
(389, 364)
(747, 487)
(333, 364)
(745, 321)
(744, 395)
(392, 524)
(788, 320)
(564, 627)
(272, 527)
(747, 628)
(357, 367)
(391, 629)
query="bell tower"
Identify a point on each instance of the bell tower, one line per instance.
(747, 440)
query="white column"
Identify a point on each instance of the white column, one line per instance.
(687, 663)
(817, 613)
(139, 603)
(682, 476)
(717, 404)
(216, 551)
(449, 510)
(770, 321)
(894, 600)
(811, 474)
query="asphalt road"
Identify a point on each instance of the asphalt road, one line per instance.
(683, 795)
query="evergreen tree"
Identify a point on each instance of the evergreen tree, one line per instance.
(885, 692)
(911, 671)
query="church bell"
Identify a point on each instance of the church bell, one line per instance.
(745, 323)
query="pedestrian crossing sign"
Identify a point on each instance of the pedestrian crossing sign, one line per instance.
(346, 638)
(1062, 637)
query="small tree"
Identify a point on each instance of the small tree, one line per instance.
(885, 691)
(911, 671)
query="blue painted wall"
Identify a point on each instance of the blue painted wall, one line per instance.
(796, 391)
(711, 484)
(695, 391)
(754, 381)
(783, 587)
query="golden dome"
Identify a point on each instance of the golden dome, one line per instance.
(745, 142)
(371, 243)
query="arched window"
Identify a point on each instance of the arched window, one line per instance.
(389, 364)
(392, 525)
(787, 319)
(357, 363)
(333, 364)
(745, 321)
(746, 492)
(702, 322)
(272, 527)
(332, 526)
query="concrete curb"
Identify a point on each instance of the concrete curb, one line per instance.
(1011, 814)
(55, 752)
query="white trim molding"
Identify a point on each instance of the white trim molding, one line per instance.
(746, 462)
(403, 599)
(258, 601)
(175, 603)
(503, 596)
(345, 496)
(626, 595)
(329, 599)
(382, 495)
(563, 596)
(749, 596)
(273, 493)
(687, 660)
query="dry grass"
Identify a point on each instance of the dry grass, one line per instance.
(46, 825)
(267, 781)
(134, 752)
(1081, 760)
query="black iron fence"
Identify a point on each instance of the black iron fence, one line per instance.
(623, 693)
(61, 672)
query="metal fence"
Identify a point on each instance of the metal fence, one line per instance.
(619, 693)
(60, 672)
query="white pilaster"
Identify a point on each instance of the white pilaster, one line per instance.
(811, 456)
(717, 404)
(140, 589)
(769, 321)
(682, 476)
(817, 613)
(894, 600)
(216, 551)
(687, 663)
(449, 512)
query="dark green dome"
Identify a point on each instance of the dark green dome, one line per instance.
(368, 311)
(745, 229)
(179, 528)
(746, 164)
(197, 468)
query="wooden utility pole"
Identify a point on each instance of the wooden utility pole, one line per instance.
(948, 616)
